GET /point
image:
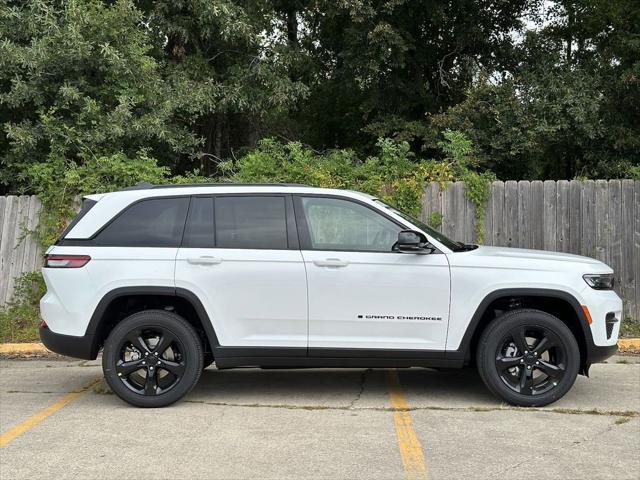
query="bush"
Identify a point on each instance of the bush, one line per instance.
(19, 319)
(393, 174)
(59, 183)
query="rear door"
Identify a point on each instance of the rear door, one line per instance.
(240, 256)
(363, 295)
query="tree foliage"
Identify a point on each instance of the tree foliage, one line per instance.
(571, 105)
(20, 318)
(393, 173)
(541, 89)
(79, 81)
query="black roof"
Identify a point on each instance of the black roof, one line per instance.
(149, 186)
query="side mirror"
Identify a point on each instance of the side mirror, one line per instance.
(410, 241)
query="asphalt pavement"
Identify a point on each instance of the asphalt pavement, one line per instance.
(332, 424)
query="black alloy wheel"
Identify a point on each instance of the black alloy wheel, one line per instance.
(528, 357)
(530, 360)
(152, 358)
(151, 361)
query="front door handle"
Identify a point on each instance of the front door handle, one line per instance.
(204, 260)
(331, 263)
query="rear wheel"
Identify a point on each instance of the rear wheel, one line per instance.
(528, 358)
(152, 358)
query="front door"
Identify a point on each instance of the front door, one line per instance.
(240, 255)
(362, 294)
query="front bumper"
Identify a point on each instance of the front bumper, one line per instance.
(605, 308)
(595, 354)
(84, 347)
(598, 354)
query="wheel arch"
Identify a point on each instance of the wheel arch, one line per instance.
(123, 301)
(559, 303)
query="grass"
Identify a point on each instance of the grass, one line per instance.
(20, 318)
(622, 420)
(630, 328)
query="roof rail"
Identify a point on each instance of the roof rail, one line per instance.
(149, 186)
(137, 186)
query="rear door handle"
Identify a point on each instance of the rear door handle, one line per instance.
(331, 263)
(204, 260)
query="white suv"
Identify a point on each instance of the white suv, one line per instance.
(168, 279)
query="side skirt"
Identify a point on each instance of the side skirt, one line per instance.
(231, 357)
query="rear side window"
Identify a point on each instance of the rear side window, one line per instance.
(199, 230)
(150, 223)
(251, 222)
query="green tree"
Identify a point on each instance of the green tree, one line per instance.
(238, 56)
(571, 105)
(79, 81)
(376, 67)
(190, 84)
(170, 81)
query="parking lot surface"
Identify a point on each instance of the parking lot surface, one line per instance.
(334, 424)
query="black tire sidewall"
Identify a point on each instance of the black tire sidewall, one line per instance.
(192, 355)
(494, 334)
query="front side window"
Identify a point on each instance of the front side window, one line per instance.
(447, 242)
(248, 222)
(336, 224)
(155, 222)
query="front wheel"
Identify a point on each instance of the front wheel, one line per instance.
(152, 358)
(528, 358)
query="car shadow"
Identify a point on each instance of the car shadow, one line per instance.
(341, 388)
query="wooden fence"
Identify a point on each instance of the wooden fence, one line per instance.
(19, 251)
(599, 219)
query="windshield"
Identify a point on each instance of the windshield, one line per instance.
(447, 242)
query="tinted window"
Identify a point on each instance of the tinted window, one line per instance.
(336, 224)
(149, 223)
(250, 222)
(199, 230)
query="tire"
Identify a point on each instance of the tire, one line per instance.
(152, 358)
(528, 358)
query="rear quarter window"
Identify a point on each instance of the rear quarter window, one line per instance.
(87, 204)
(157, 222)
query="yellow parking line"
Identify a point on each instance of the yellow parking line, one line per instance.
(32, 421)
(410, 449)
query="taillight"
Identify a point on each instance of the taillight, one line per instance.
(66, 261)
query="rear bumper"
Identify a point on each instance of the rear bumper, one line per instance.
(83, 347)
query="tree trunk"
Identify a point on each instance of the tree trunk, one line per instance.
(292, 25)
(217, 144)
(569, 35)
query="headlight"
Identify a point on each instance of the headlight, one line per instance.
(600, 281)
